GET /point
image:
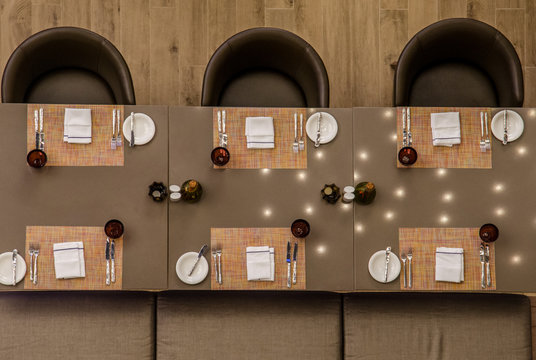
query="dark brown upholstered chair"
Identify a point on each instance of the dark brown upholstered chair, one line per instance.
(265, 67)
(459, 62)
(67, 65)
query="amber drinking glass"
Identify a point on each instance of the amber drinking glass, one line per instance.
(407, 156)
(36, 158)
(300, 228)
(114, 229)
(489, 233)
(220, 156)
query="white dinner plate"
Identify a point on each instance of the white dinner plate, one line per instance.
(184, 265)
(376, 266)
(515, 125)
(6, 272)
(144, 129)
(328, 127)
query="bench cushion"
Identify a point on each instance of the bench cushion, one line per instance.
(77, 325)
(437, 326)
(248, 325)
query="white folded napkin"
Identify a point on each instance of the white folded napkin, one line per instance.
(69, 260)
(77, 126)
(446, 129)
(260, 263)
(260, 132)
(449, 264)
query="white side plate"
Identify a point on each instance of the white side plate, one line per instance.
(184, 265)
(328, 127)
(6, 273)
(144, 129)
(376, 266)
(515, 125)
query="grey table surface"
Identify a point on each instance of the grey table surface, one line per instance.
(343, 237)
(503, 195)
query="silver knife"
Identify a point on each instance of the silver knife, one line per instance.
(112, 255)
(132, 129)
(201, 252)
(119, 140)
(505, 125)
(486, 258)
(317, 141)
(14, 267)
(483, 284)
(288, 265)
(37, 135)
(220, 139)
(410, 139)
(387, 258)
(107, 261)
(113, 143)
(294, 259)
(224, 132)
(41, 133)
(487, 141)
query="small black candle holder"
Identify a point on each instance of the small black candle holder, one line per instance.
(158, 191)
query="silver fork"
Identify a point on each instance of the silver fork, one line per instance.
(295, 144)
(215, 261)
(410, 257)
(301, 142)
(403, 257)
(36, 254)
(119, 140)
(31, 252)
(218, 252)
(113, 143)
(487, 141)
(482, 141)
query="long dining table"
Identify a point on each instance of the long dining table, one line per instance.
(343, 236)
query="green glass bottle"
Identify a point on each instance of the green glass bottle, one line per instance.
(191, 191)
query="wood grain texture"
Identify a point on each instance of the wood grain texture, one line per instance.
(393, 38)
(421, 14)
(337, 58)
(483, 10)
(358, 40)
(393, 4)
(452, 8)
(530, 86)
(164, 56)
(366, 53)
(511, 23)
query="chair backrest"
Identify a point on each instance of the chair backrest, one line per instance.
(265, 67)
(66, 65)
(459, 62)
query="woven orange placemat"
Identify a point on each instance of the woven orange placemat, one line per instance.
(280, 157)
(465, 155)
(60, 153)
(424, 241)
(233, 243)
(94, 241)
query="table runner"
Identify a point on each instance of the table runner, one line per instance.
(60, 153)
(280, 157)
(424, 242)
(465, 155)
(233, 243)
(94, 241)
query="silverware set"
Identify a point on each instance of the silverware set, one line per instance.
(317, 140)
(222, 133)
(110, 261)
(291, 280)
(407, 137)
(485, 142)
(407, 258)
(216, 259)
(299, 142)
(485, 276)
(505, 126)
(34, 253)
(39, 133)
(116, 129)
